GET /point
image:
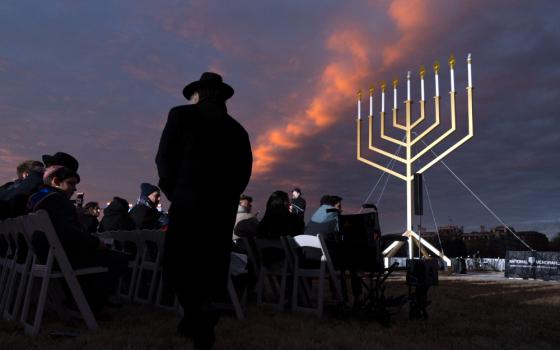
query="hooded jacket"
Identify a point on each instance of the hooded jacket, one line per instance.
(116, 217)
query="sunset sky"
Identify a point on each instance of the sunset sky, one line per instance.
(96, 79)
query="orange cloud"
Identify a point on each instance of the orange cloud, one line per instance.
(412, 18)
(335, 89)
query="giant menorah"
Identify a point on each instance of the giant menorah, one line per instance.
(408, 141)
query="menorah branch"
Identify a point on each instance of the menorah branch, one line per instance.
(434, 124)
(422, 115)
(470, 134)
(445, 135)
(369, 162)
(378, 150)
(385, 137)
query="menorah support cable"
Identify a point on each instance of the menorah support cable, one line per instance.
(389, 165)
(408, 142)
(481, 202)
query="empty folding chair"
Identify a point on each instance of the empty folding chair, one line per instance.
(303, 270)
(165, 296)
(273, 267)
(150, 265)
(4, 246)
(130, 243)
(335, 280)
(234, 297)
(17, 281)
(248, 243)
(235, 303)
(39, 223)
(8, 252)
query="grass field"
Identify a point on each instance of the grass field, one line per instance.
(472, 312)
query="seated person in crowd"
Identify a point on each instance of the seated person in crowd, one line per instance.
(88, 216)
(325, 223)
(324, 220)
(14, 194)
(82, 249)
(22, 171)
(246, 223)
(145, 213)
(278, 221)
(116, 217)
(298, 203)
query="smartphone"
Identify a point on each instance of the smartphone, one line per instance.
(79, 199)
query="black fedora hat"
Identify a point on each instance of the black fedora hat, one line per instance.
(208, 80)
(64, 159)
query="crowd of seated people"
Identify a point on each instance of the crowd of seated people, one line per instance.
(50, 184)
(280, 219)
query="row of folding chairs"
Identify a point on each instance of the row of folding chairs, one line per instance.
(291, 270)
(144, 281)
(30, 280)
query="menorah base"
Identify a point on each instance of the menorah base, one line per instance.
(422, 244)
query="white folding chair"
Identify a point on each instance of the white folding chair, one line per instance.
(128, 242)
(302, 273)
(8, 255)
(165, 296)
(150, 266)
(330, 268)
(39, 223)
(273, 272)
(17, 280)
(233, 296)
(248, 243)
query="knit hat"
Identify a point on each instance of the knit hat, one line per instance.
(147, 189)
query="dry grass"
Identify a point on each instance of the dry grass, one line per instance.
(466, 313)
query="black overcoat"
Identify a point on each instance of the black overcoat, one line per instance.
(204, 163)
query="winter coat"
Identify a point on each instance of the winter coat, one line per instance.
(89, 222)
(298, 206)
(204, 156)
(77, 243)
(116, 217)
(274, 225)
(145, 217)
(14, 198)
(246, 225)
(204, 163)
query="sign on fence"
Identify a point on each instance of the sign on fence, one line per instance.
(536, 265)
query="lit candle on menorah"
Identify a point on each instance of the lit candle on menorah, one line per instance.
(411, 137)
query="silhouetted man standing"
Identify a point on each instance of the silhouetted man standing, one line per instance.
(298, 203)
(204, 163)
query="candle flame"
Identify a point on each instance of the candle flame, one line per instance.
(395, 82)
(452, 61)
(408, 75)
(436, 67)
(469, 59)
(383, 86)
(422, 71)
(371, 90)
(359, 94)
